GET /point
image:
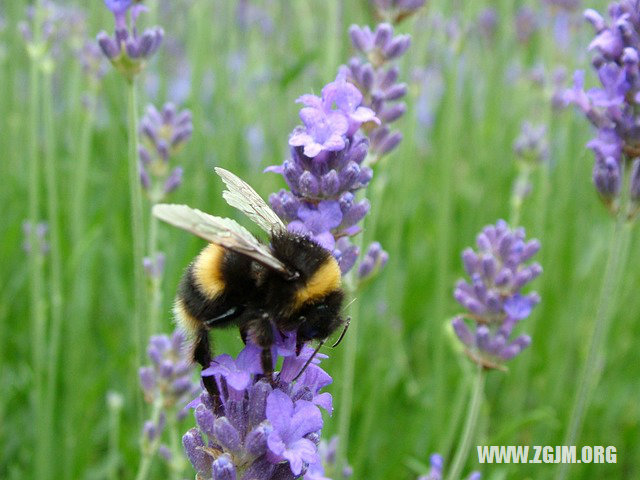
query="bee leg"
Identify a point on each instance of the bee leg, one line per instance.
(244, 333)
(262, 334)
(202, 355)
(267, 363)
(299, 345)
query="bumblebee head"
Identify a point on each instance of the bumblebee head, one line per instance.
(320, 319)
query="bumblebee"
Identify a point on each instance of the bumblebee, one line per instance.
(292, 284)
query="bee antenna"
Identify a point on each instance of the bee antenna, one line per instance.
(344, 331)
(349, 304)
(309, 361)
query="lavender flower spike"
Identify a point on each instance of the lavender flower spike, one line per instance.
(168, 378)
(493, 298)
(437, 466)
(127, 50)
(376, 77)
(325, 169)
(612, 106)
(163, 134)
(260, 428)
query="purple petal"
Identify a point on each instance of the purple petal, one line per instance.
(279, 411)
(300, 451)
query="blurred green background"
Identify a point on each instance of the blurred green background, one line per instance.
(452, 174)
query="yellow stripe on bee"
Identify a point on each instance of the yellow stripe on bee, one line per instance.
(184, 319)
(325, 280)
(207, 271)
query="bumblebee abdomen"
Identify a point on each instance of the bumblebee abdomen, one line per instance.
(216, 285)
(207, 273)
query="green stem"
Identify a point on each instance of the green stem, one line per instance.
(55, 256)
(455, 419)
(149, 451)
(469, 427)
(156, 280)
(36, 260)
(333, 29)
(79, 264)
(443, 171)
(114, 438)
(137, 229)
(592, 367)
(517, 195)
(81, 172)
(522, 369)
(177, 459)
(348, 372)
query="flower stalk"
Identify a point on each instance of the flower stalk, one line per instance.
(592, 367)
(55, 258)
(36, 50)
(137, 227)
(477, 394)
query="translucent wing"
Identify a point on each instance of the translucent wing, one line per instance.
(241, 196)
(221, 231)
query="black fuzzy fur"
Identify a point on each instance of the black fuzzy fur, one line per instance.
(255, 298)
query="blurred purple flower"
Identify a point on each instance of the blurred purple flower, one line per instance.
(59, 26)
(169, 375)
(37, 236)
(526, 24)
(154, 267)
(166, 383)
(127, 50)
(498, 273)
(163, 134)
(612, 107)
(437, 466)
(532, 145)
(374, 260)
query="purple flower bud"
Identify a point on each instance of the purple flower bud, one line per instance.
(360, 38)
(108, 45)
(346, 254)
(595, 19)
(174, 180)
(607, 177)
(147, 378)
(194, 448)
(392, 113)
(462, 331)
(383, 35)
(397, 46)
(395, 92)
(165, 452)
(367, 77)
(330, 183)
(226, 435)
(223, 468)
(387, 143)
(256, 442)
(308, 185)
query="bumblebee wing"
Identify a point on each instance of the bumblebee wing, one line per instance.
(221, 231)
(240, 195)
